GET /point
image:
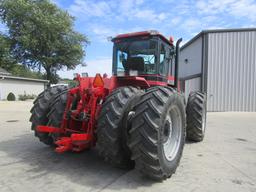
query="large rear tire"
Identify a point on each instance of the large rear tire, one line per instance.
(196, 116)
(41, 108)
(113, 126)
(157, 135)
(55, 115)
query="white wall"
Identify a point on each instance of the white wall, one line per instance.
(192, 85)
(19, 87)
(193, 54)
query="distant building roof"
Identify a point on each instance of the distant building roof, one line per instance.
(22, 78)
(216, 31)
(6, 75)
(4, 72)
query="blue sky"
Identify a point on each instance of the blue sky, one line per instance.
(99, 19)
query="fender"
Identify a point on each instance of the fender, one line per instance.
(133, 81)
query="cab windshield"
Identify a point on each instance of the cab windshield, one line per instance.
(136, 55)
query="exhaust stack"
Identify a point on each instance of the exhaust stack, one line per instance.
(177, 54)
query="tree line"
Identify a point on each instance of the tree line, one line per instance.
(40, 39)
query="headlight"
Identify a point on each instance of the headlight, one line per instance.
(120, 73)
(133, 73)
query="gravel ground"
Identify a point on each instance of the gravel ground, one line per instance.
(224, 161)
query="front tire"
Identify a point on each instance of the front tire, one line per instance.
(196, 116)
(157, 135)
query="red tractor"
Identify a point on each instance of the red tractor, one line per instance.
(137, 117)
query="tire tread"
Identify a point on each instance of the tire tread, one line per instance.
(42, 106)
(110, 143)
(195, 109)
(144, 133)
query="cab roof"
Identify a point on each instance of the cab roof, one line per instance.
(144, 33)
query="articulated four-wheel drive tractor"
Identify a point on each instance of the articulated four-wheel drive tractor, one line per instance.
(139, 116)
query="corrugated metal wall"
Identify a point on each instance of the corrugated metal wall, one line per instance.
(231, 80)
(192, 85)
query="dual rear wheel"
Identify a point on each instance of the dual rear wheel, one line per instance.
(154, 137)
(157, 135)
(148, 129)
(41, 109)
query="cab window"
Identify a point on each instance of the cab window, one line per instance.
(163, 64)
(136, 55)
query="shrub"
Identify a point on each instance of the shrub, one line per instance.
(72, 84)
(11, 97)
(24, 97)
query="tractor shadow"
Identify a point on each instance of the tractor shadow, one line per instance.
(188, 142)
(86, 169)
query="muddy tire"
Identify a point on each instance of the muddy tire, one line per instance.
(157, 135)
(196, 116)
(42, 106)
(113, 125)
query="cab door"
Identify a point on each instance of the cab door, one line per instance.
(163, 62)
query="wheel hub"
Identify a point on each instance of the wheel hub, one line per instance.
(167, 129)
(172, 133)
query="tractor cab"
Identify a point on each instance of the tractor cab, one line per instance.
(146, 54)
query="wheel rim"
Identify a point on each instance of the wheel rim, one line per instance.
(203, 118)
(172, 133)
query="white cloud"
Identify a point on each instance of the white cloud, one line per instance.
(213, 6)
(90, 8)
(183, 8)
(176, 20)
(109, 18)
(244, 8)
(210, 19)
(236, 8)
(191, 24)
(128, 5)
(136, 9)
(102, 32)
(162, 16)
(111, 10)
(148, 15)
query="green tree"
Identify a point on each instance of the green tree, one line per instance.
(42, 35)
(23, 71)
(6, 60)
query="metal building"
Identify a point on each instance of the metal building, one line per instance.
(227, 61)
